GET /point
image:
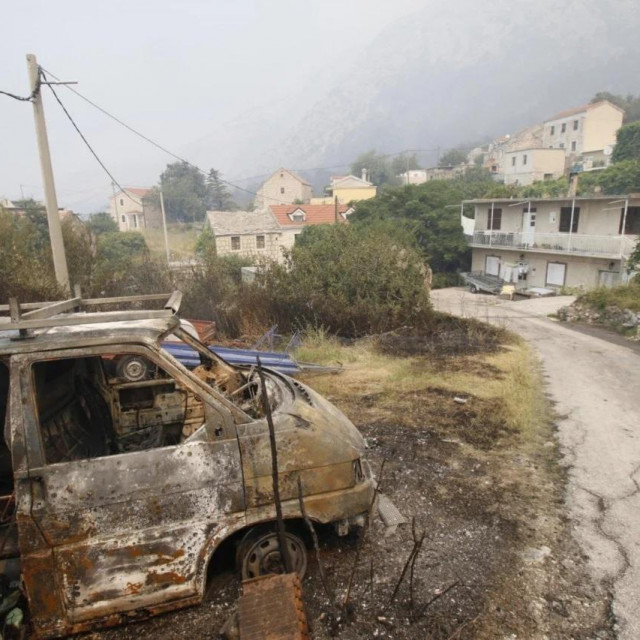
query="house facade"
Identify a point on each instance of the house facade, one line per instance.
(351, 188)
(265, 233)
(292, 219)
(584, 132)
(525, 166)
(283, 187)
(248, 234)
(574, 242)
(128, 209)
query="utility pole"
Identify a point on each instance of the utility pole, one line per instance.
(55, 229)
(164, 227)
(335, 208)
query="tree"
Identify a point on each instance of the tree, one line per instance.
(218, 198)
(425, 210)
(184, 190)
(100, 223)
(627, 143)
(404, 162)
(379, 170)
(620, 178)
(80, 249)
(452, 158)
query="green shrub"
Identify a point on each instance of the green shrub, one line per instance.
(352, 280)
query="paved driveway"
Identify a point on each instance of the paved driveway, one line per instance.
(596, 385)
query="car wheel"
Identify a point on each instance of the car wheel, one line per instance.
(473, 288)
(259, 553)
(133, 368)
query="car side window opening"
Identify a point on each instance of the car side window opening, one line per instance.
(95, 406)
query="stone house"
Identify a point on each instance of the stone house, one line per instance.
(283, 187)
(128, 208)
(248, 234)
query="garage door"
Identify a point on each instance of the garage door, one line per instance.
(492, 265)
(556, 273)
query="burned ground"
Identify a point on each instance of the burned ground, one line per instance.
(470, 455)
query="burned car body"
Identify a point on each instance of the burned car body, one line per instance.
(128, 471)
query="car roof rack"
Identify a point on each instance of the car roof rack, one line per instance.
(44, 315)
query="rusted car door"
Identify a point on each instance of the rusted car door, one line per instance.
(124, 531)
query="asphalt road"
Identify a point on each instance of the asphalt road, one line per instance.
(595, 384)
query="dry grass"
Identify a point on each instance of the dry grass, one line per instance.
(182, 241)
(507, 378)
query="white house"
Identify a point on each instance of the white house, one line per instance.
(575, 242)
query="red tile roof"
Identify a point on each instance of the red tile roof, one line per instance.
(137, 191)
(315, 213)
(576, 110)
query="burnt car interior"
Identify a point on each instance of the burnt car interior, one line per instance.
(98, 406)
(8, 530)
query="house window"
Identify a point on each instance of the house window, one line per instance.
(281, 189)
(494, 168)
(576, 124)
(259, 242)
(121, 202)
(573, 145)
(553, 130)
(547, 176)
(530, 213)
(561, 145)
(134, 219)
(556, 274)
(235, 243)
(564, 127)
(632, 223)
(524, 159)
(492, 265)
(295, 238)
(565, 219)
(513, 161)
(495, 220)
(124, 219)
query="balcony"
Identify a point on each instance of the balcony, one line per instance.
(575, 243)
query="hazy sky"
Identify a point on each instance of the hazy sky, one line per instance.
(178, 71)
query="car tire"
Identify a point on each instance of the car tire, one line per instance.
(258, 553)
(473, 288)
(133, 368)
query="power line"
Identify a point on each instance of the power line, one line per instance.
(231, 184)
(28, 98)
(158, 145)
(95, 155)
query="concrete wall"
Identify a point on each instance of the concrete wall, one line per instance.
(580, 272)
(600, 127)
(282, 188)
(347, 195)
(539, 163)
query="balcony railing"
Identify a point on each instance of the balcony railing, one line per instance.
(557, 242)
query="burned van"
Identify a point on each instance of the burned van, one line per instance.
(122, 472)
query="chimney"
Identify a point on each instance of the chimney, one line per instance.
(364, 173)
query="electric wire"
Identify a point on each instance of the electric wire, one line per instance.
(227, 182)
(159, 146)
(93, 153)
(28, 98)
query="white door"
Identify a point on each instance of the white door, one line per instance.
(528, 226)
(492, 265)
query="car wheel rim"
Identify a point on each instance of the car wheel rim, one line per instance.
(264, 557)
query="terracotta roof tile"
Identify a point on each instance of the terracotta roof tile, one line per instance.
(315, 213)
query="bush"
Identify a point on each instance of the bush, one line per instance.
(623, 297)
(351, 280)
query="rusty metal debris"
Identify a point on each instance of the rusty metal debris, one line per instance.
(129, 470)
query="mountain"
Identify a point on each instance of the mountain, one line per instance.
(458, 71)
